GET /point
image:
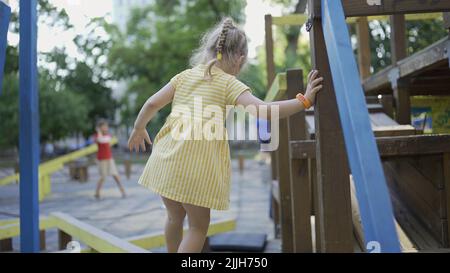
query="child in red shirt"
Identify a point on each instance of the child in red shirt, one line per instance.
(105, 161)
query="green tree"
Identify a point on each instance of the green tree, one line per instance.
(72, 92)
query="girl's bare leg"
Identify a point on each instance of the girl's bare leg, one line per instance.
(99, 186)
(198, 219)
(174, 224)
(122, 190)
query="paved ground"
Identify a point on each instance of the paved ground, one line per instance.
(142, 211)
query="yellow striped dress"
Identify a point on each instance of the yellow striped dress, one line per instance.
(193, 166)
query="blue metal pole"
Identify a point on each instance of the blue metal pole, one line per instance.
(371, 190)
(29, 128)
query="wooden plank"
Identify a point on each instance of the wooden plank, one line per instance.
(413, 201)
(356, 8)
(333, 214)
(381, 119)
(378, 82)
(289, 20)
(362, 152)
(430, 166)
(156, 239)
(395, 146)
(415, 230)
(396, 130)
(299, 177)
(426, 58)
(362, 34)
(413, 145)
(28, 128)
(92, 236)
(419, 186)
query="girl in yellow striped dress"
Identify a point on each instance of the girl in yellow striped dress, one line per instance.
(190, 162)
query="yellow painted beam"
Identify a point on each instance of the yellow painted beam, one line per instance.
(56, 164)
(291, 19)
(156, 239)
(408, 17)
(11, 228)
(278, 88)
(93, 237)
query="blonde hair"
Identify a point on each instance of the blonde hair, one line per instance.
(223, 43)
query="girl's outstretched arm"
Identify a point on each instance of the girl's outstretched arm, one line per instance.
(153, 104)
(286, 107)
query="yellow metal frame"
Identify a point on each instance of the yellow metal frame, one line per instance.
(51, 166)
(98, 240)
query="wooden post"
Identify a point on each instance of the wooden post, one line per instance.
(446, 168)
(387, 102)
(300, 187)
(42, 240)
(314, 202)
(446, 16)
(333, 214)
(398, 52)
(362, 32)
(285, 187)
(270, 69)
(402, 102)
(6, 245)
(270, 63)
(398, 37)
(63, 239)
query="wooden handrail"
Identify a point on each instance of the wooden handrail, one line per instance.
(278, 88)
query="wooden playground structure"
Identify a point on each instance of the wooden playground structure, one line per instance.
(348, 175)
(315, 203)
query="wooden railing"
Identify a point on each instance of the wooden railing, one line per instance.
(291, 201)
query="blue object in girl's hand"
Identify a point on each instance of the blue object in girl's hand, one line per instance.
(5, 15)
(263, 131)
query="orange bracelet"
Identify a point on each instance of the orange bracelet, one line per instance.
(306, 102)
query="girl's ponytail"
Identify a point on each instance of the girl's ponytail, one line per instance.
(226, 26)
